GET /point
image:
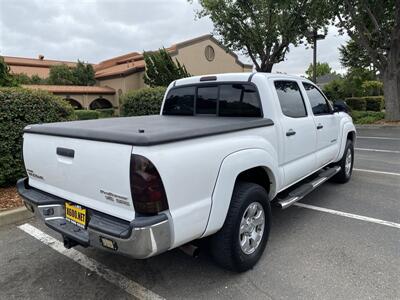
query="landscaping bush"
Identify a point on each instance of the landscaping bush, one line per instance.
(374, 103)
(146, 101)
(367, 117)
(356, 103)
(18, 108)
(106, 112)
(372, 88)
(87, 114)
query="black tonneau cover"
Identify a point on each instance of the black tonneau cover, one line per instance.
(147, 130)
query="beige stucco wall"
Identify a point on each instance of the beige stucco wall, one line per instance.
(30, 71)
(123, 84)
(86, 99)
(193, 57)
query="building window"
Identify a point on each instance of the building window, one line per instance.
(209, 53)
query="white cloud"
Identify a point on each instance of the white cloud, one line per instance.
(93, 30)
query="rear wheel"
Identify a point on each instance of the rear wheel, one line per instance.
(240, 243)
(346, 164)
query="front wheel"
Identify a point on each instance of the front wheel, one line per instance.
(346, 164)
(240, 243)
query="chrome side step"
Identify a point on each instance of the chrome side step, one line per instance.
(308, 187)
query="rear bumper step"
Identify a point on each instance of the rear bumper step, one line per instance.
(141, 238)
(306, 188)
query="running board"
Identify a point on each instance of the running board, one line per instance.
(308, 187)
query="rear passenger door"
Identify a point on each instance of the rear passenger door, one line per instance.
(299, 132)
(326, 123)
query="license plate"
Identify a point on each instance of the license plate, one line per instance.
(76, 214)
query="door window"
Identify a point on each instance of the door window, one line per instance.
(318, 102)
(290, 98)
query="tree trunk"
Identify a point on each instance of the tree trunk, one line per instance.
(391, 85)
(265, 67)
(391, 91)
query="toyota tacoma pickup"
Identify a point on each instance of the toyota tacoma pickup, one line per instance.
(223, 149)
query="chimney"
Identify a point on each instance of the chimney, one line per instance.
(41, 57)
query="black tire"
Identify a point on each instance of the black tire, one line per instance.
(343, 176)
(225, 244)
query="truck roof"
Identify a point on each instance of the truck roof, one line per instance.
(232, 77)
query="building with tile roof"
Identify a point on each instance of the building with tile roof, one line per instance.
(115, 76)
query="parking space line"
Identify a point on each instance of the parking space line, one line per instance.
(378, 138)
(377, 150)
(377, 172)
(129, 286)
(349, 215)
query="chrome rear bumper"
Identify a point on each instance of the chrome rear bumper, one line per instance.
(142, 238)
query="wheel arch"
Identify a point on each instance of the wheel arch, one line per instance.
(252, 165)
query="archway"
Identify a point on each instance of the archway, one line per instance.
(100, 103)
(74, 103)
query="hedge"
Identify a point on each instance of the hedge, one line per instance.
(356, 103)
(374, 103)
(87, 114)
(106, 112)
(18, 108)
(370, 103)
(146, 101)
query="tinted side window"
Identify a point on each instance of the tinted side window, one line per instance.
(290, 98)
(180, 101)
(318, 103)
(239, 100)
(206, 102)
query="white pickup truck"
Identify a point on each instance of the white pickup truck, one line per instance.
(222, 148)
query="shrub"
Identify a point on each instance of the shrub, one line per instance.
(106, 112)
(18, 108)
(367, 117)
(356, 103)
(374, 103)
(372, 88)
(87, 114)
(146, 101)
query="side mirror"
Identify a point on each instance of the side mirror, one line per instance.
(341, 106)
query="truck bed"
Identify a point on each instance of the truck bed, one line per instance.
(147, 130)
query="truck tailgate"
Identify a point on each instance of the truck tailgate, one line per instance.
(90, 173)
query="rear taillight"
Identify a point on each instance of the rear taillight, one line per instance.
(147, 189)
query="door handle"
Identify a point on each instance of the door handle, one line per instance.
(65, 152)
(320, 126)
(290, 132)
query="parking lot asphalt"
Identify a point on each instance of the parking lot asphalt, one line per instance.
(350, 250)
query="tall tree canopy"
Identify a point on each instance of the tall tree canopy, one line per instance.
(81, 74)
(374, 25)
(264, 29)
(6, 78)
(353, 56)
(161, 70)
(322, 69)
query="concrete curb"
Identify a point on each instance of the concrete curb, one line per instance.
(14, 215)
(376, 126)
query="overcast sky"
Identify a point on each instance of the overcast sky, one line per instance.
(95, 30)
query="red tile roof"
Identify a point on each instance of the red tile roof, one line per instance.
(35, 62)
(72, 89)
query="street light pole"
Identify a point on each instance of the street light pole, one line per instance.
(315, 37)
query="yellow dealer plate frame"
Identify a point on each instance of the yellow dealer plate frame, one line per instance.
(75, 214)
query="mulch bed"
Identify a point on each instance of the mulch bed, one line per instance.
(9, 198)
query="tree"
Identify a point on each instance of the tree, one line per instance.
(61, 75)
(322, 69)
(354, 57)
(264, 29)
(83, 74)
(161, 70)
(374, 25)
(6, 78)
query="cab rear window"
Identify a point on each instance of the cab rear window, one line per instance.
(228, 100)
